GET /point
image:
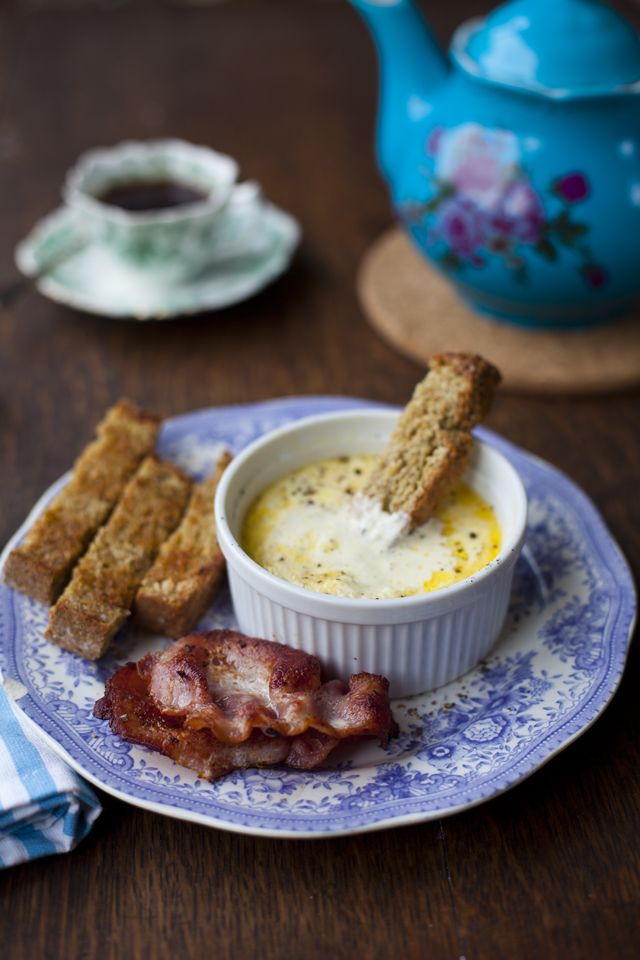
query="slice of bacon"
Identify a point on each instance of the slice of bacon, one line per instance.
(132, 714)
(218, 701)
(231, 684)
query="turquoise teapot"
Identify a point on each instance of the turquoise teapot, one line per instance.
(514, 164)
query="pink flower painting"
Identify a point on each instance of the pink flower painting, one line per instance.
(484, 204)
(480, 164)
(463, 227)
(522, 213)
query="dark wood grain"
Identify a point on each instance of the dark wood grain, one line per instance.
(548, 870)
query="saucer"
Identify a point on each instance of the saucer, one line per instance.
(252, 245)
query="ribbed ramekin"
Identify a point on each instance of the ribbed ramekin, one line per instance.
(418, 642)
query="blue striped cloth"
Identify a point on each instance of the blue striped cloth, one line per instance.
(44, 806)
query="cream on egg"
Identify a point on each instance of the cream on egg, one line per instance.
(305, 529)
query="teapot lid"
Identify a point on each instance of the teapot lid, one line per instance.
(558, 48)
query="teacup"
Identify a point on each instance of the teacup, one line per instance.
(154, 204)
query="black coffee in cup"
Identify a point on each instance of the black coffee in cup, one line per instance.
(150, 195)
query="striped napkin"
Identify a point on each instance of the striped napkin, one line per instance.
(44, 806)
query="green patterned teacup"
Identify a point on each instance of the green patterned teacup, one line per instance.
(167, 242)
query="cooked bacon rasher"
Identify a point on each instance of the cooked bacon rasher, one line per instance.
(219, 701)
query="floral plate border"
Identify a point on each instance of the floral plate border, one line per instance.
(555, 668)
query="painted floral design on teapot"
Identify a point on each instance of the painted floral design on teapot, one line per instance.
(483, 204)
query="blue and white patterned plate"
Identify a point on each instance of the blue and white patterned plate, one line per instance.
(554, 669)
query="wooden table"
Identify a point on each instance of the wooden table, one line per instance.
(549, 869)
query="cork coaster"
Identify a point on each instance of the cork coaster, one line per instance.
(416, 311)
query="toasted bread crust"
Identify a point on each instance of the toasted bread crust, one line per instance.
(476, 392)
(41, 565)
(99, 596)
(429, 449)
(188, 570)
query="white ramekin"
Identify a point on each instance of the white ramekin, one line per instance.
(418, 643)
